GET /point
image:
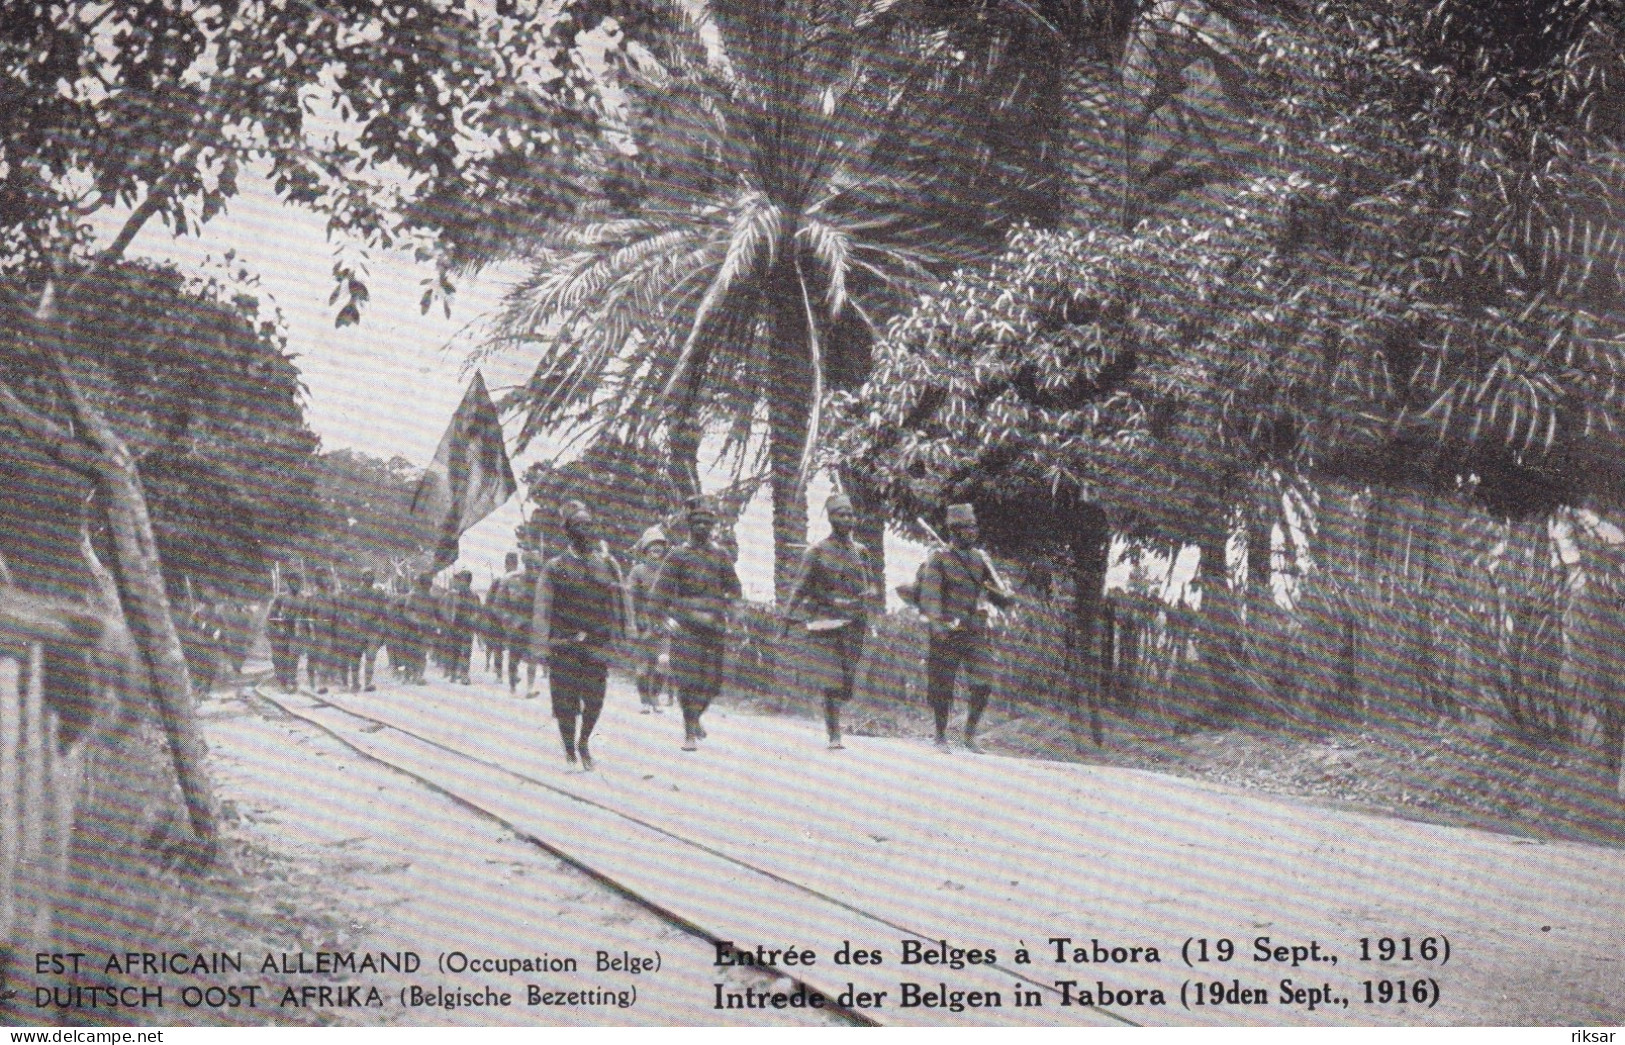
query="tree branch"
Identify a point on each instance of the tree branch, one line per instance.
(132, 227)
(54, 439)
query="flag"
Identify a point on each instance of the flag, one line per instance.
(470, 475)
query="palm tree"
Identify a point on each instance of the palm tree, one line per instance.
(795, 176)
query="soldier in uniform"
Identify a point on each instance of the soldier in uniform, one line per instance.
(957, 585)
(499, 621)
(491, 627)
(695, 592)
(577, 618)
(321, 613)
(831, 599)
(417, 629)
(653, 643)
(347, 640)
(518, 600)
(282, 628)
(460, 616)
(362, 622)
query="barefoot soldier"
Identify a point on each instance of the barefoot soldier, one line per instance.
(653, 643)
(696, 589)
(282, 625)
(831, 600)
(365, 610)
(957, 587)
(321, 609)
(417, 628)
(461, 612)
(577, 617)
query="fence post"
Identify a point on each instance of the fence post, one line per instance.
(10, 755)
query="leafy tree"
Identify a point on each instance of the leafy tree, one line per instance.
(209, 403)
(398, 118)
(363, 519)
(1114, 108)
(782, 196)
(1394, 296)
(613, 479)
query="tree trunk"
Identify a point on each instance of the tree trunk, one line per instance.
(1418, 599)
(1094, 155)
(683, 455)
(1091, 542)
(1221, 629)
(788, 420)
(1267, 651)
(1324, 665)
(871, 527)
(146, 608)
(145, 602)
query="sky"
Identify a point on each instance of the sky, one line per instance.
(389, 385)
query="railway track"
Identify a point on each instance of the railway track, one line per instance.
(697, 887)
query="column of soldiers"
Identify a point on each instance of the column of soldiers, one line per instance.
(562, 618)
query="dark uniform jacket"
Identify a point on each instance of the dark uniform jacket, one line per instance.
(836, 583)
(361, 617)
(419, 615)
(511, 600)
(461, 612)
(696, 586)
(953, 585)
(578, 605)
(282, 619)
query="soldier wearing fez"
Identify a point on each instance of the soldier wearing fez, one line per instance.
(957, 587)
(459, 616)
(695, 592)
(831, 600)
(362, 612)
(577, 618)
(282, 628)
(321, 611)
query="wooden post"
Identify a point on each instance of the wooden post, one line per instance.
(1620, 787)
(10, 754)
(33, 913)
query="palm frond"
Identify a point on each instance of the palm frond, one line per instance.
(753, 234)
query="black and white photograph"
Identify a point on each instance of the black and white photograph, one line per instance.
(812, 513)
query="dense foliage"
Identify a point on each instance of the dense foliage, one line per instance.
(1416, 285)
(202, 390)
(786, 181)
(363, 519)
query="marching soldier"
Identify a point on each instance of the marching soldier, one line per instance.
(362, 623)
(493, 628)
(523, 606)
(417, 629)
(831, 600)
(348, 628)
(320, 613)
(507, 610)
(460, 616)
(957, 586)
(653, 643)
(695, 592)
(577, 617)
(282, 628)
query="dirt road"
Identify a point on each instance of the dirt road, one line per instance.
(380, 871)
(1312, 915)
(368, 861)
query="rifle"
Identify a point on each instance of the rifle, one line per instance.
(1001, 587)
